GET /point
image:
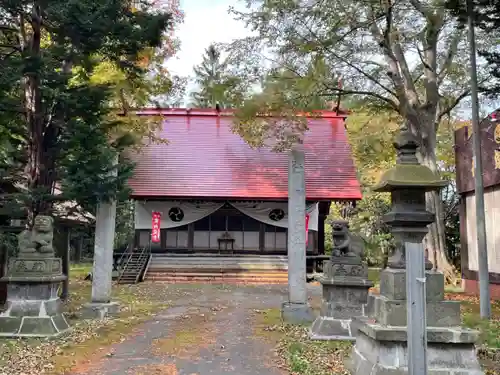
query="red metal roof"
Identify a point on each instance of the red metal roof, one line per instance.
(205, 159)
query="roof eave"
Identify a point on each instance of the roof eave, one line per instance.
(325, 114)
(355, 197)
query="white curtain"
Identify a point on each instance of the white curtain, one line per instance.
(173, 213)
(275, 213)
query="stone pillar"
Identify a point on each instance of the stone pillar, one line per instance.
(33, 279)
(296, 309)
(345, 288)
(441, 345)
(102, 270)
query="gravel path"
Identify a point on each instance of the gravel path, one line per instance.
(209, 330)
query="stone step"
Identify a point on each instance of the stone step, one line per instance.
(216, 279)
(219, 266)
(202, 261)
(223, 274)
(251, 273)
(215, 255)
(221, 256)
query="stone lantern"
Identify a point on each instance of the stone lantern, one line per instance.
(409, 327)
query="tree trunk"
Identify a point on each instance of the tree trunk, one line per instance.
(434, 241)
(39, 169)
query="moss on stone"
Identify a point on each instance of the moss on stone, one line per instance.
(409, 175)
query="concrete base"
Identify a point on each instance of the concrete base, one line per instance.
(33, 310)
(95, 310)
(374, 357)
(297, 313)
(383, 350)
(33, 326)
(327, 328)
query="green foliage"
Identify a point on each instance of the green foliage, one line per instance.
(371, 132)
(61, 112)
(284, 97)
(8, 243)
(124, 223)
(490, 329)
(217, 82)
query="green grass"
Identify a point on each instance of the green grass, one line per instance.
(489, 329)
(80, 270)
(303, 356)
(300, 354)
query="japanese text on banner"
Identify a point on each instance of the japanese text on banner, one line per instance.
(155, 227)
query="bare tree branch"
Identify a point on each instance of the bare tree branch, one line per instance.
(338, 91)
(384, 40)
(430, 42)
(447, 110)
(450, 55)
(330, 51)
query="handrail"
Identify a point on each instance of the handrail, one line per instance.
(127, 251)
(145, 250)
(125, 266)
(143, 276)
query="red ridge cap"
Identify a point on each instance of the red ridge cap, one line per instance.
(225, 112)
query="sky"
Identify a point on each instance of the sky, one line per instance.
(208, 21)
(205, 21)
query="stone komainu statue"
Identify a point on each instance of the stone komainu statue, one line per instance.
(344, 243)
(38, 241)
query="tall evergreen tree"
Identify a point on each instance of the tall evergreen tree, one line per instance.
(50, 50)
(217, 84)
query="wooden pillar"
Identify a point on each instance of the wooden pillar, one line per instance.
(321, 234)
(190, 244)
(262, 237)
(78, 249)
(65, 252)
(137, 236)
(3, 269)
(163, 238)
(324, 211)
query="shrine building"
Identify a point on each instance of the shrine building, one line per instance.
(216, 199)
(489, 130)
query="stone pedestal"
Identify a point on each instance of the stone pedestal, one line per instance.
(381, 345)
(99, 310)
(33, 305)
(345, 291)
(383, 350)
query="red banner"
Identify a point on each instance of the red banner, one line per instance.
(307, 229)
(155, 225)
